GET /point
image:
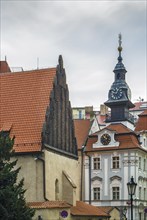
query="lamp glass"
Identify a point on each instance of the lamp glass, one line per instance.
(131, 186)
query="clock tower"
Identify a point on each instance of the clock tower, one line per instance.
(119, 96)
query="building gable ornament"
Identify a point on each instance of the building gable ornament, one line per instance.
(106, 138)
(128, 162)
(97, 178)
(115, 178)
(58, 129)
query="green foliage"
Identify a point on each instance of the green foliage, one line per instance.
(12, 202)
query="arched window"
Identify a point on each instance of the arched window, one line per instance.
(57, 189)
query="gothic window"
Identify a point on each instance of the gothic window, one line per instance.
(96, 163)
(115, 193)
(57, 189)
(96, 193)
(118, 76)
(115, 162)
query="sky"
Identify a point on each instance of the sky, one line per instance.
(34, 33)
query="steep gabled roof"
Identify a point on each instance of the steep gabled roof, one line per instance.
(84, 209)
(82, 127)
(24, 97)
(142, 122)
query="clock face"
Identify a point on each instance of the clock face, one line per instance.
(105, 139)
(116, 93)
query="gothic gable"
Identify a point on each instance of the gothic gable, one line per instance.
(58, 129)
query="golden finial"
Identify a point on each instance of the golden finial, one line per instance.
(120, 41)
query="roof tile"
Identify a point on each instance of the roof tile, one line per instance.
(84, 209)
(24, 99)
(82, 127)
(49, 204)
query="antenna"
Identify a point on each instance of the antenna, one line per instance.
(37, 62)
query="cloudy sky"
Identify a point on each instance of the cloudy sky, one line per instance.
(86, 34)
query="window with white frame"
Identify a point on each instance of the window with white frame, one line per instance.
(139, 162)
(115, 162)
(96, 193)
(115, 193)
(96, 163)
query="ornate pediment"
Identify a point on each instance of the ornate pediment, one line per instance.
(115, 178)
(97, 178)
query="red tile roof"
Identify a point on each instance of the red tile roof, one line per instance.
(119, 128)
(49, 204)
(84, 209)
(4, 67)
(82, 127)
(142, 122)
(139, 106)
(24, 98)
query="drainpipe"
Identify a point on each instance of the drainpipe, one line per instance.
(89, 179)
(44, 186)
(82, 157)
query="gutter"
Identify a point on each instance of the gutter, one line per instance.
(89, 179)
(82, 154)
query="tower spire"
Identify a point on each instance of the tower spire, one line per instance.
(120, 47)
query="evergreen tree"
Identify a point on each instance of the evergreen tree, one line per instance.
(12, 202)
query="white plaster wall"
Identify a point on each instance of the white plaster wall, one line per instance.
(54, 166)
(32, 172)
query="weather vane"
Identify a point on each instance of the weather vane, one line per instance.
(120, 42)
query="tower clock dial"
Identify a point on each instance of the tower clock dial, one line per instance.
(105, 139)
(116, 93)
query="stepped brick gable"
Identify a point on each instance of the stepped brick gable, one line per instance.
(58, 130)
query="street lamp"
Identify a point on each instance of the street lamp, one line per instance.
(131, 190)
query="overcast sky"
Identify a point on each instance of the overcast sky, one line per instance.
(86, 34)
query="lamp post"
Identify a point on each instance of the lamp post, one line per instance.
(131, 190)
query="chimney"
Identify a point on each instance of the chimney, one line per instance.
(4, 67)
